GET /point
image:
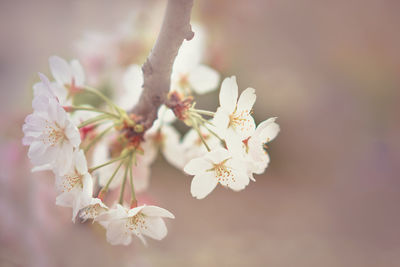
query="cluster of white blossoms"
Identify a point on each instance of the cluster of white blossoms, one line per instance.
(96, 150)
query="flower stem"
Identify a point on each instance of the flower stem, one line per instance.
(97, 138)
(74, 108)
(133, 196)
(105, 188)
(203, 112)
(212, 132)
(93, 120)
(196, 127)
(102, 96)
(121, 194)
(108, 162)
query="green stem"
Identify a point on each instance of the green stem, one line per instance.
(133, 196)
(97, 138)
(105, 188)
(102, 96)
(213, 133)
(196, 127)
(93, 120)
(204, 112)
(108, 163)
(74, 108)
(121, 194)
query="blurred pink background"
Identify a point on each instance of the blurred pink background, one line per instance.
(329, 70)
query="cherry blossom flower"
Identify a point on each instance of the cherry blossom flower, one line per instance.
(217, 166)
(141, 221)
(188, 73)
(50, 134)
(45, 88)
(193, 145)
(69, 77)
(233, 118)
(253, 149)
(132, 87)
(94, 209)
(167, 139)
(256, 145)
(75, 186)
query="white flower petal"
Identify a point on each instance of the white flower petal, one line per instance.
(203, 79)
(203, 184)
(240, 181)
(268, 130)
(218, 155)
(155, 228)
(80, 161)
(246, 100)
(60, 70)
(197, 165)
(117, 233)
(157, 211)
(228, 94)
(132, 81)
(77, 72)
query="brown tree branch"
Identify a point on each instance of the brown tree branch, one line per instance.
(158, 66)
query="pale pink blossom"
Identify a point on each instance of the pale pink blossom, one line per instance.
(75, 187)
(50, 134)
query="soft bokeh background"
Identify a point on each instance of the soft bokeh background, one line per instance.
(330, 70)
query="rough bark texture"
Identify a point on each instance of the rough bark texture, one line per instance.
(158, 66)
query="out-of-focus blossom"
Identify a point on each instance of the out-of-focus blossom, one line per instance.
(70, 77)
(188, 73)
(132, 87)
(193, 145)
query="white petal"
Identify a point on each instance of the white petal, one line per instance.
(45, 167)
(221, 121)
(117, 233)
(80, 162)
(132, 81)
(218, 155)
(156, 228)
(240, 182)
(203, 184)
(60, 70)
(268, 130)
(228, 94)
(203, 79)
(157, 211)
(191, 52)
(197, 165)
(246, 100)
(77, 72)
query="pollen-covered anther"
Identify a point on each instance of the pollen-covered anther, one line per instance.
(53, 134)
(137, 222)
(72, 181)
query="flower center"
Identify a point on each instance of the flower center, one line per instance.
(53, 134)
(92, 211)
(238, 119)
(71, 181)
(222, 172)
(137, 222)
